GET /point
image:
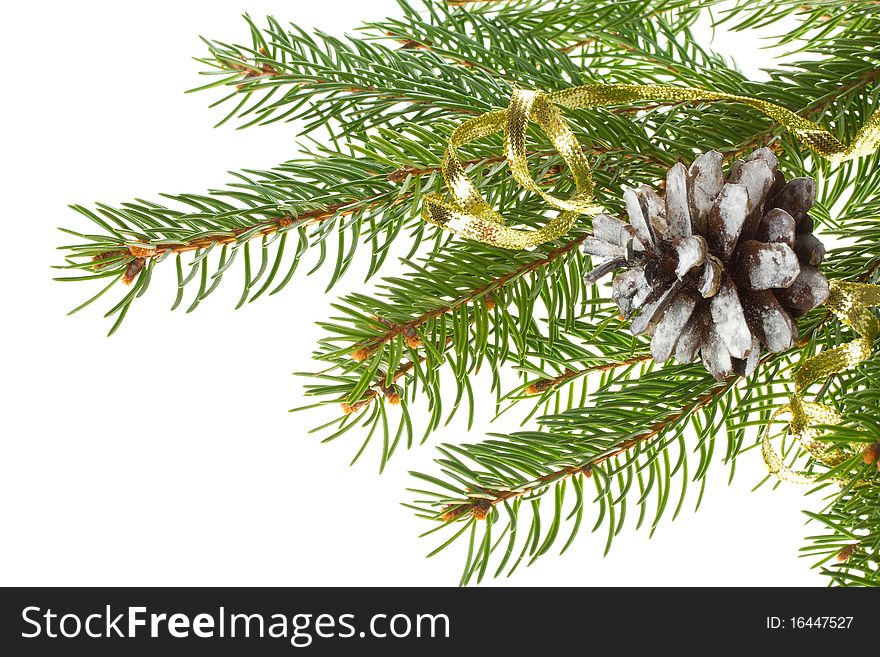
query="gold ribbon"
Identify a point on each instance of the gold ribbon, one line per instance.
(850, 302)
(468, 214)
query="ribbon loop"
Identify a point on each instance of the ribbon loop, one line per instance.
(469, 215)
(525, 105)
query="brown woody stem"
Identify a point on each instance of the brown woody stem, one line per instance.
(266, 227)
(542, 385)
(478, 507)
(367, 347)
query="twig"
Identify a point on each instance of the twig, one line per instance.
(264, 228)
(367, 347)
(542, 385)
(479, 507)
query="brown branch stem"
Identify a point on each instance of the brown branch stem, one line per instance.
(266, 227)
(365, 348)
(479, 507)
(542, 385)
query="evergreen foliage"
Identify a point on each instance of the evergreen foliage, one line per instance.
(376, 110)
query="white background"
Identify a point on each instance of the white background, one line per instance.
(164, 455)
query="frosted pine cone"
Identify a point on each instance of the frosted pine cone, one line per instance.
(720, 267)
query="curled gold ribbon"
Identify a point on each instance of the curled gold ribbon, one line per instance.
(850, 302)
(468, 214)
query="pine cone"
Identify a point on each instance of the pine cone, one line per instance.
(720, 267)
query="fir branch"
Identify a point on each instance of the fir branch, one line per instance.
(482, 499)
(362, 84)
(818, 22)
(512, 473)
(543, 385)
(368, 347)
(521, 460)
(376, 334)
(512, 470)
(260, 229)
